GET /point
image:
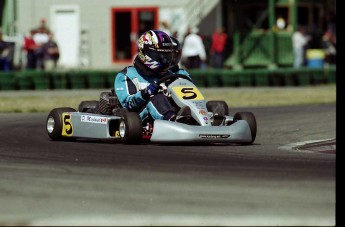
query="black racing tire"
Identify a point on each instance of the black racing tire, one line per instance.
(130, 128)
(54, 123)
(250, 118)
(89, 106)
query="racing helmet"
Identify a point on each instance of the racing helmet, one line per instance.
(177, 51)
(155, 51)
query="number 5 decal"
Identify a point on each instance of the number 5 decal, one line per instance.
(67, 128)
(188, 93)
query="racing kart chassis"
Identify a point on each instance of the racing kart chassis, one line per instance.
(211, 122)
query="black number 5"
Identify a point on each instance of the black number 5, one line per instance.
(190, 94)
(67, 122)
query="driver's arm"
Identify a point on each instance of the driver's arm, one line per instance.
(127, 93)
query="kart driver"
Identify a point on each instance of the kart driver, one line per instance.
(135, 87)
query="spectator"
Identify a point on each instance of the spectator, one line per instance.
(329, 42)
(299, 42)
(30, 47)
(51, 53)
(165, 27)
(43, 26)
(40, 38)
(219, 39)
(193, 50)
(5, 54)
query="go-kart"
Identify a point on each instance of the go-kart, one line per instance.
(206, 121)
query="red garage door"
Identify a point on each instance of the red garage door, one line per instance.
(127, 25)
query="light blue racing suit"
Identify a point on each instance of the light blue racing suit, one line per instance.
(129, 86)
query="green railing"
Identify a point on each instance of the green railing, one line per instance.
(254, 49)
(43, 80)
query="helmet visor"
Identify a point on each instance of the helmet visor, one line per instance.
(163, 57)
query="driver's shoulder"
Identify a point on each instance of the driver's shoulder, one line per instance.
(130, 72)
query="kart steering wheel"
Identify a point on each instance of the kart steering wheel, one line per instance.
(173, 76)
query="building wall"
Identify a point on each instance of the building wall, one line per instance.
(95, 16)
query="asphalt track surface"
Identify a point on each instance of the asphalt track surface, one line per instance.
(43, 182)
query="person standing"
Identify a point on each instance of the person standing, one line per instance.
(40, 37)
(193, 50)
(299, 42)
(30, 47)
(51, 53)
(219, 39)
(5, 54)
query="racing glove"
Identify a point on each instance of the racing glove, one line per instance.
(150, 90)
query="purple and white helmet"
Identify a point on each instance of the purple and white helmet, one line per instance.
(155, 51)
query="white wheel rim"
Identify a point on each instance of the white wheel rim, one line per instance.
(122, 129)
(50, 124)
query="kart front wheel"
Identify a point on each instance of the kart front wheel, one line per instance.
(130, 128)
(250, 118)
(54, 123)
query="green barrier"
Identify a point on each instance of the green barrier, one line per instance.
(246, 78)
(95, 80)
(199, 80)
(289, 79)
(283, 77)
(198, 77)
(303, 76)
(7, 81)
(41, 80)
(261, 78)
(331, 77)
(303, 80)
(110, 79)
(24, 80)
(59, 80)
(229, 79)
(318, 77)
(276, 79)
(213, 79)
(76, 80)
(330, 74)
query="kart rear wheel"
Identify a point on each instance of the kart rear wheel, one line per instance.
(54, 123)
(130, 128)
(219, 110)
(250, 118)
(89, 106)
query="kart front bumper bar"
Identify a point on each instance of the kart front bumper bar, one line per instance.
(167, 131)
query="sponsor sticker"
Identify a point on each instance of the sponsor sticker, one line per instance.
(208, 136)
(202, 112)
(93, 119)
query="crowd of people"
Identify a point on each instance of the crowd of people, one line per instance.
(42, 52)
(301, 42)
(198, 51)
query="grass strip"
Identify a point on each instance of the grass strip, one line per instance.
(44, 101)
